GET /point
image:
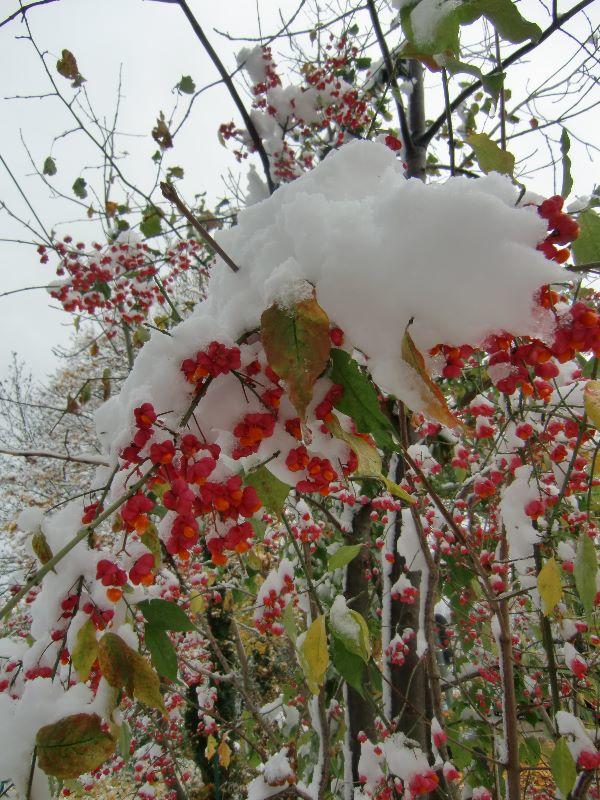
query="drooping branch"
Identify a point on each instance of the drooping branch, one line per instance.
(250, 126)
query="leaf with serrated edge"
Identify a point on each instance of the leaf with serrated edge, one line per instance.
(314, 656)
(297, 345)
(434, 402)
(72, 746)
(549, 585)
(490, 157)
(85, 650)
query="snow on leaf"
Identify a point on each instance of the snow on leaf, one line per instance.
(313, 654)
(85, 650)
(490, 157)
(562, 767)
(297, 345)
(72, 746)
(585, 568)
(435, 405)
(350, 627)
(550, 585)
(591, 394)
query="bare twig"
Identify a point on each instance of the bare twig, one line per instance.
(79, 459)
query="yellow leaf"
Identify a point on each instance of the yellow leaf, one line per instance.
(434, 402)
(211, 748)
(224, 752)
(85, 651)
(369, 460)
(591, 395)
(111, 208)
(314, 655)
(197, 603)
(550, 585)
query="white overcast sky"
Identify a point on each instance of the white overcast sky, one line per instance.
(154, 46)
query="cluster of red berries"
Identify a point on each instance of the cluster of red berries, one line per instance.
(562, 230)
(216, 359)
(272, 598)
(319, 472)
(116, 280)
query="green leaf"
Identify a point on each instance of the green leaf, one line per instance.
(506, 19)
(359, 400)
(363, 63)
(72, 746)
(151, 223)
(150, 540)
(288, 621)
(271, 491)
(562, 767)
(79, 188)
(141, 335)
(586, 248)
(343, 555)
(174, 172)
(530, 751)
(350, 666)
(584, 571)
(297, 344)
(124, 668)
(186, 85)
(162, 652)
(549, 585)
(313, 654)
(165, 615)
(85, 650)
(489, 156)
(49, 166)
(565, 146)
(124, 741)
(438, 37)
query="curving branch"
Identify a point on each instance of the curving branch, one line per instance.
(24, 9)
(511, 59)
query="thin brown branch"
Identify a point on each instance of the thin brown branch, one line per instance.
(78, 458)
(170, 193)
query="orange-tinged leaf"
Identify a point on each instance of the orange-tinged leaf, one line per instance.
(224, 752)
(434, 402)
(67, 67)
(111, 208)
(72, 746)
(116, 662)
(211, 748)
(40, 546)
(297, 344)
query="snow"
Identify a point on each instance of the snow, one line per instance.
(409, 547)
(520, 533)
(361, 234)
(342, 621)
(426, 18)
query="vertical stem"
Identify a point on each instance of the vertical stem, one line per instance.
(128, 345)
(502, 95)
(509, 700)
(451, 152)
(416, 157)
(360, 712)
(548, 643)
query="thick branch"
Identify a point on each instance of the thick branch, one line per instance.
(511, 59)
(250, 126)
